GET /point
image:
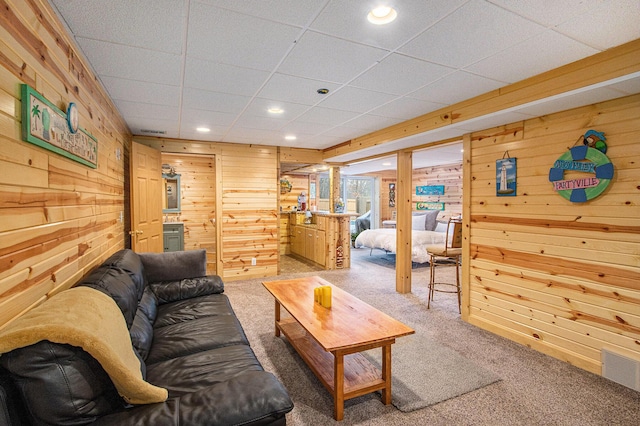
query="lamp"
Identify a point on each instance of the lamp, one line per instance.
(307, 216)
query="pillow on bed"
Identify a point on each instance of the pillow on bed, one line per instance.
(417, 222)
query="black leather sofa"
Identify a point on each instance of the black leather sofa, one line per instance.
(187, 338)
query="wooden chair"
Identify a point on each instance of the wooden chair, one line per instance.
(441, 255)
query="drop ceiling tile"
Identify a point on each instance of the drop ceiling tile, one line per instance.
(116, 60)
(139, 125)
(473, 32)
(155, 25)
(342, 133)
(536, 55)
(232, 38)
(292, 12)
(406, 108)
(201, 118)
(548, 12)
(400, 74)
(298, 90)
(140, 91)
(299, 128)
(321, 57)
(189, 133)
(142, 110)
(355, 99)
(369, 122)
(595, 27)
(348, 20)
(326, 116)
(216, 77)
(456, 87)
(213, 101)
(255, 122)
(259, 107)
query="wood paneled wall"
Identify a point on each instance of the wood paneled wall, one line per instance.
(197, 202)
(299, 183)
(560, 277)
(450, 176)
(247, 193)
(58, 218)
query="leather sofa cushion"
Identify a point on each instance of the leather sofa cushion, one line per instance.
(203, 369)
(172, 291)
(61, 384)
(190, 309)
(141, 330)
(172, 266)
(193, 336)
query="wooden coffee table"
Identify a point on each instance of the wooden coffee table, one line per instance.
(329, 340)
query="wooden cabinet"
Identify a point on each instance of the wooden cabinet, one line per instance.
(297, 240)
(173, 236)
(320, 249)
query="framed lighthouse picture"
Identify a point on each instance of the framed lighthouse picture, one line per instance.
(506, 177)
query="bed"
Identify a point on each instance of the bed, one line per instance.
(425, 231)
(385, 239)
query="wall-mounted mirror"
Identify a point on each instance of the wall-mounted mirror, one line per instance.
(171, 193)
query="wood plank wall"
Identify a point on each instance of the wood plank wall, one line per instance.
(450, 176)
(58, 218)
(247, 193)
(560, 277)
(198, 202)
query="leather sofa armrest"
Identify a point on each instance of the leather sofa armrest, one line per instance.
(253, 398)
(171, 291)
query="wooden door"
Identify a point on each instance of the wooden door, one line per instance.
(146, 199)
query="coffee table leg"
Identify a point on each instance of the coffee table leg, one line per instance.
(386, 374)
(277, 318)
(338, 385)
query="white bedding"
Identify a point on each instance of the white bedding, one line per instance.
(385, 239)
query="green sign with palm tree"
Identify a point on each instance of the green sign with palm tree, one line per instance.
(45, 125)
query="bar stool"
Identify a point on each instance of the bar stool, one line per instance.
(443, 254)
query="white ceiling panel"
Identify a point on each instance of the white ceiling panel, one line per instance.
(321, 57)
(142, 91)
(298, 90)
(292, 12)
(548, 12)
(595, 27)
(533, 56)
(473, 32)
(327, 116)
(347, 20)
(213, 101)
(216, 77)
(211, 119)
(369, 122)
(400, 74)
(355, 99)
(406, 108)
(232, 38)
(456, 87)
(174, 65)
(259, 107)
(133, 63)
(153, 111)
(157, 25)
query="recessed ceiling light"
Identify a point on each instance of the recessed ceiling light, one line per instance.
(382, 15)
(275, 110)
(290, 137)
(203, 129)
(323, 91)
(386, 164)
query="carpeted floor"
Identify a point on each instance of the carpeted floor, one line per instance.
(534, 389)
